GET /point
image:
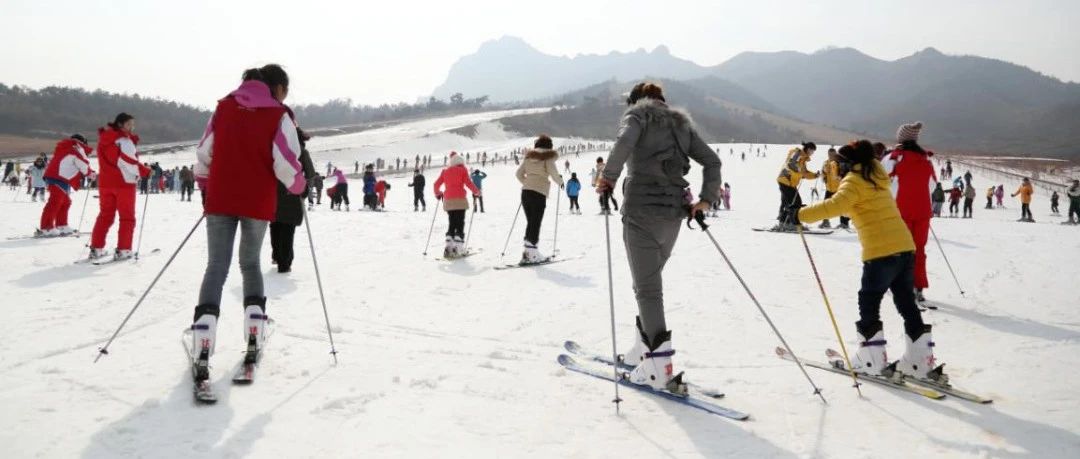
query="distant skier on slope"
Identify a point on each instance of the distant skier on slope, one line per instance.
(831, 171)
(338, 190)
(656, 143)
(417, 184)
(65, 171)
(1025, 191)
(450, 189)
(249, 146)
(371, 200)
(888, 263)
(573, 190)
(914, 177)
(606, 199)
(533, 173)
(1074, 201)
(478, 180)
(791, 174)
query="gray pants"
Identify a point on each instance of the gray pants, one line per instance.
(220, 235)
(649, 241)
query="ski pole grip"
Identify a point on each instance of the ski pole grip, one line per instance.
(700, 217)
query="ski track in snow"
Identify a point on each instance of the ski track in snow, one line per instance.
(455, 358)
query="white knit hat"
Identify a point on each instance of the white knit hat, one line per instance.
(908, 132)
(456, 159)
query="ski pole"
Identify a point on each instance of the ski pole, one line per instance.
(938, 241)
(555, 241)
(511, 233)
(78, 230)
(318, 280)
(828, 307)
(105, 349)
(468, 233)
(700, 217)
(142, 227)
(611, 304)
(432, 229)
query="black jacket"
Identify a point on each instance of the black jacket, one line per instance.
(290, 207)
(418, 183)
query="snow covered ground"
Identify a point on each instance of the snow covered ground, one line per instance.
(455, 359)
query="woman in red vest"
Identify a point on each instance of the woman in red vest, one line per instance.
(915, 179)
(120, 170)
(64, 173)
(249, 145)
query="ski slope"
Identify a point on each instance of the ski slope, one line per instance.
(455, 359)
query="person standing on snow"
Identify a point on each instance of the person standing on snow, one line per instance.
(656, 143)
(533, 173)
(888, 256)
(1025, 191)
(36, 171)
(831, 171)
(120, 170)
(954, 200)
(339, 190)
(478, 180)
(999, 193)
(371, 200)
(793, 172)
(969, 199)
(65, 172)
(417, 184)
(1074, 201)
(573, 190)
(909, 164)
(450, 189)
(1054, 203)
(250, 145)
(381, 187)
(318, 191)
(937, 199)
(606, 199)
(187, 183)
(290, 211)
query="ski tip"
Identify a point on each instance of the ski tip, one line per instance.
(565, 360)
(571, 346)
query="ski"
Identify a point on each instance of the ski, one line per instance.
(574, 348)
(928, 393)
(573, 365)
(85, 261)
(470, 253)
(546, 261)
(109, 260)
(202, 390)
(805, 231)
(35, 236)
(946, 388)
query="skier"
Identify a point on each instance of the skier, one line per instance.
(990, 198)
(1054, 203)
(888, 263)
(533, 173)
(948, 167)
(318, 190)
(249, 146)
(64, 172)
(656, 143)
(914, 176)
(339, 190)
(290, 211)
(831, 171)
(381, 187)
(417, 185)
(793, 172)
(1025, 191)
(1074, 201)
(568, 166)
(478, 180)
(727, 196)
(937, 199)
(814, 195)
(573, 190)
(451, 185)
(36, 171)
(606, 199)
(969, 200)
(954, 201)
(999, 193)
(120, 170)
(187, 183)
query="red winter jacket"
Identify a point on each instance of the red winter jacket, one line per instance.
(915, 179)
(249, 145)
(456, 178)
(118, 159)
(69, 163)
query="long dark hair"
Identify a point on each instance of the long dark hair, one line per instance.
(120, 119)
(271, 74)
(861, 152)
(911, 145)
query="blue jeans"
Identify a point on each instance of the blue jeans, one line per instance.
(894, 273)
(220, 235)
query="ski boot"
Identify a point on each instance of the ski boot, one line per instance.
(97, 254)
(843, 226)
(66, 230)
(918, 361)
(825, 224)
(449, 249)
(203, 339)
(51, 232)
(656, 369)
(254, 327)
(870, 358)
(531, 255)
(121, 255)
(638, 350)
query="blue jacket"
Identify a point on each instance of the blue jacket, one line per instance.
(573, 187)
(478, 179)
(369, 183)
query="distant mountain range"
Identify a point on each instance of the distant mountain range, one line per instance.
(967, 102)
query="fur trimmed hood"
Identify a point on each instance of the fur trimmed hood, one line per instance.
(651, 110)
(541, 154)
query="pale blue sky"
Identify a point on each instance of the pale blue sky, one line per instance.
(375, 52)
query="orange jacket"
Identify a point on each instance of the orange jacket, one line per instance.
(1025, 191)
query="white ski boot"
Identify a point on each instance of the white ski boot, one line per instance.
(918, 360)
(459, 246)
(51, 232)
(121, 255)
(531, 254)
(203, 340)
(638, 350)
(96, 254)
(870, 357)
(255, 319)
(448, 249)
(656, 369)
(66, 230)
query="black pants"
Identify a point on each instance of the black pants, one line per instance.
(574, 203)
(989, 202)
(954, 207)
(341, 193)
(457, 223)
(1074, 208)
(1025, 211)
(281, 243)
(895, 273)
(186, 188)
(789, 196)
(533, 204)
(844, 220)
(418, 200)
(371, 200)
(318, 195)
(1054, 207)
(480, 200)
(968, 206)
(605, 205)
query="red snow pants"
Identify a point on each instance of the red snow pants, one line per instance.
(920, 229)
(113, 201)
(55, 212)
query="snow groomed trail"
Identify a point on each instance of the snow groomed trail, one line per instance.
(456, 359)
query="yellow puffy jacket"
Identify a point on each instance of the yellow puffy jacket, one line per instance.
(872, 209)
(795, 169)
(831, 169)
(1025, 191)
